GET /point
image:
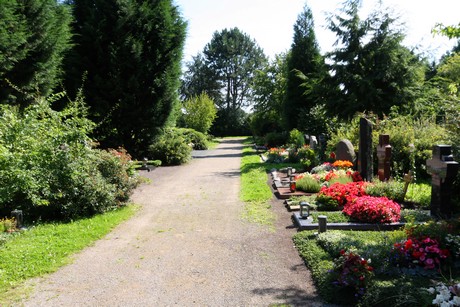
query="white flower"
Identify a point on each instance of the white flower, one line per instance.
(456, 301)
(431, 290)
(438, 300)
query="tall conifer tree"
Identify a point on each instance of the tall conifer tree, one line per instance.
(304, 58)
(130, 54)
(34, 37)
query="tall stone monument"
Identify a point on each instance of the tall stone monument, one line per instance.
(365, 167)
(443, 170)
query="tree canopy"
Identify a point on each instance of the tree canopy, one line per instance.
(225, 71)
(34, 37)
(130, 53)
(305, 58)
(371, 70)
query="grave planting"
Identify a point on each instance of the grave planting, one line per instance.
(372, 239)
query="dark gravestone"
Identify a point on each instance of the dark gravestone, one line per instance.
(345, 151)
(322, 142)
(443, 170)
(384, 156)
(365, 149)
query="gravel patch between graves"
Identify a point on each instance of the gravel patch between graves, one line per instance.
(187, 246)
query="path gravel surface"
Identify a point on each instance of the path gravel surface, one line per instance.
(187, 246)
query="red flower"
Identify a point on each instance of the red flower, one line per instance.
(332, 155)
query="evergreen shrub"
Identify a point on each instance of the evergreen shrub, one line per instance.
(197, 139)
(171, 148)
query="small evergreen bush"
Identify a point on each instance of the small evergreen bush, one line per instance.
(308, 184)
(171, 148)
(197, 139)
(391, 189)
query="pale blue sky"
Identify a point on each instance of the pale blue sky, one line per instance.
(270, 22)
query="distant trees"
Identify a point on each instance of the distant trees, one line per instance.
(269, 94)
(34, 37)
(227, 64)
(304, 58)
(129, 53)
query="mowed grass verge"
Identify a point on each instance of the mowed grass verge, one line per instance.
(45, 248)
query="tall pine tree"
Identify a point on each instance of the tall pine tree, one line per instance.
(304, 58)
(130, 54)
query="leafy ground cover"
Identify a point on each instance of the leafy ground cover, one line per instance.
(43, 249)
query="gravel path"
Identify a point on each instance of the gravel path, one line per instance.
(187, 246)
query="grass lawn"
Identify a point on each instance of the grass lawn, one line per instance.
(43, 249)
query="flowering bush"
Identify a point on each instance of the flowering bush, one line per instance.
(325, 167)
(342, 164)
(453, 242)
(305, 155)
(276, 155)
(351, 270)
(413, 252)
(370, 209)
(340, 194)
(446, 296)
(338, 175)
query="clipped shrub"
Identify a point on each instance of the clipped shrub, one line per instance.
(391, 189)
(171, 148)
(197, 139)
(308, 184)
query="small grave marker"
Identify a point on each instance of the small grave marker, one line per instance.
(407, 180)
(384, 155)
(443, 170)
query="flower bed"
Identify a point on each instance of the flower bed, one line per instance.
(369, 209)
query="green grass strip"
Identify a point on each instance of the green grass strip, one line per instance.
(254, 190)
(45, 248)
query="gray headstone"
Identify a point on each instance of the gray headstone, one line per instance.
(345, 151)
(313, 142)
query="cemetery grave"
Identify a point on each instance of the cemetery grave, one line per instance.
(306, 217)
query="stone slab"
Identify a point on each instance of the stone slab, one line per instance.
(285, 193)
(302, 224)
